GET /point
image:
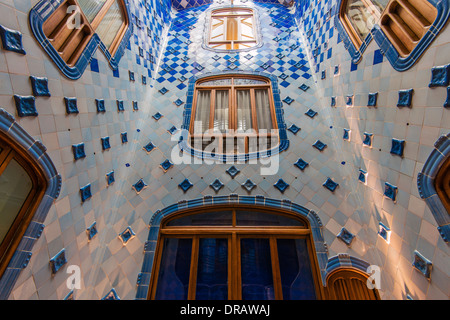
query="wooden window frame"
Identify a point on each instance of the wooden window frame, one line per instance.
(232, 123)
(348, 27)
(64, 39)
(230, 43)
(353, 292)
(442, 184)
(39, 184)
(234, 233)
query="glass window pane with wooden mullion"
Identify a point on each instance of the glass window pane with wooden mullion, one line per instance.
(111, 24)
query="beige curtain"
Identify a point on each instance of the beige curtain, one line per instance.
(221, 111)
(244, 110)
(263, 114)
(203, 109)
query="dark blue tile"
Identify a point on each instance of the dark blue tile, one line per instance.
(149, 147)
(11, 40)
(333, 101)
(281, 185)
(110, 178)
(217, 185)
(319, 145)
(124, 137)
(71, 105)
(39, 86)
(120, 106)
(405, 98)
(94, 65)
(100, 104)
(248, 185)
(166, 165)
(440, 76)
(346, 236)
(362, 176)
(390, 191)
(58, 261)
(311, 113)
(233, 171)
(185, 185)
(346, 135)
(105, 143)
(330, 184)
(135, 106)
(301, 164)
(139, 186)
(85, 192)
(447, 101)
(372, 100)
(78, 151)
(294, 129)
(25, 105)
(92, 231)
(377, 57)
(397, 147)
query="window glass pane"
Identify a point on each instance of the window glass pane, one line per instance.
(173, 279)
(91, 8)
(202, 111)
(360, 17)
(15, 185)
(256, 270)
(110, 25)
(295, 270)
(217, 29)
(263, 114)
(254, 218)
(217, 82)
(243, 81)
(215, 218)
(244, 110)
(212, 272)
(221, 111)
(380, 4)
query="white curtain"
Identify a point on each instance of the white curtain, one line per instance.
(221, 111)
(263, 114)
(203, 109)
(244, 110)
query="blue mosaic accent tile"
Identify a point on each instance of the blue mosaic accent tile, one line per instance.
(120, 106)
(319, 145)
(311, 113)
(349, 101)
(346, 135)
(94, 65)
(248, 185)
(294, 129)
(58, 261)
(144, 79)
(172, 130)
(377, 57)
(111, 295)
(440, 76)
(100, 105)
(405, 98)
(336, 70)
(149, 147)
(39, 85)
(157, 116)
(281, 185)
(362, 177)
(372, 100)
(185, 185)
(384, 232)
(135, 106)
(368, 139)
(422, 264)
(71, 105)
(397, 147)
(85, 192)
(110, 179)
(131, 75)
(288, 100)
(330, 184)
(346, 236)
(233, 171)
(124, 137)
(301, 164)
(166, 165)
(390, 191)
(216, 185)
(11, 40)
(139, 186)
(126, 235)
(304, 87)
(447, 102)
(25, 106)
(333, 101)
(92, 230)
(324, 75)
(78, 151)
(178, 102)
(105, 143)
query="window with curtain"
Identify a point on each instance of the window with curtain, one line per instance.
(235, 254)
(359, 17)
(72, 25)
(232, 29)
(21, 188)
(233, 114)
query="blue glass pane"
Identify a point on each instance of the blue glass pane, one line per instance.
(212, 272)
(254, 218)
(173, 279)
(215, 218)
(256, 270)
(295, 270)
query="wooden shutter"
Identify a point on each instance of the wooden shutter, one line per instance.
(349, 284)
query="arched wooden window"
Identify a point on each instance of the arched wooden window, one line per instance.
(233, 114)
(442, 184)
(235, 253)
(22, 187)
(71, 27)
(359, 16)
(349, 284)
(232, 29)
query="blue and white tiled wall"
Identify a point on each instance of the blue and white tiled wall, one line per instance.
(109, 195)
